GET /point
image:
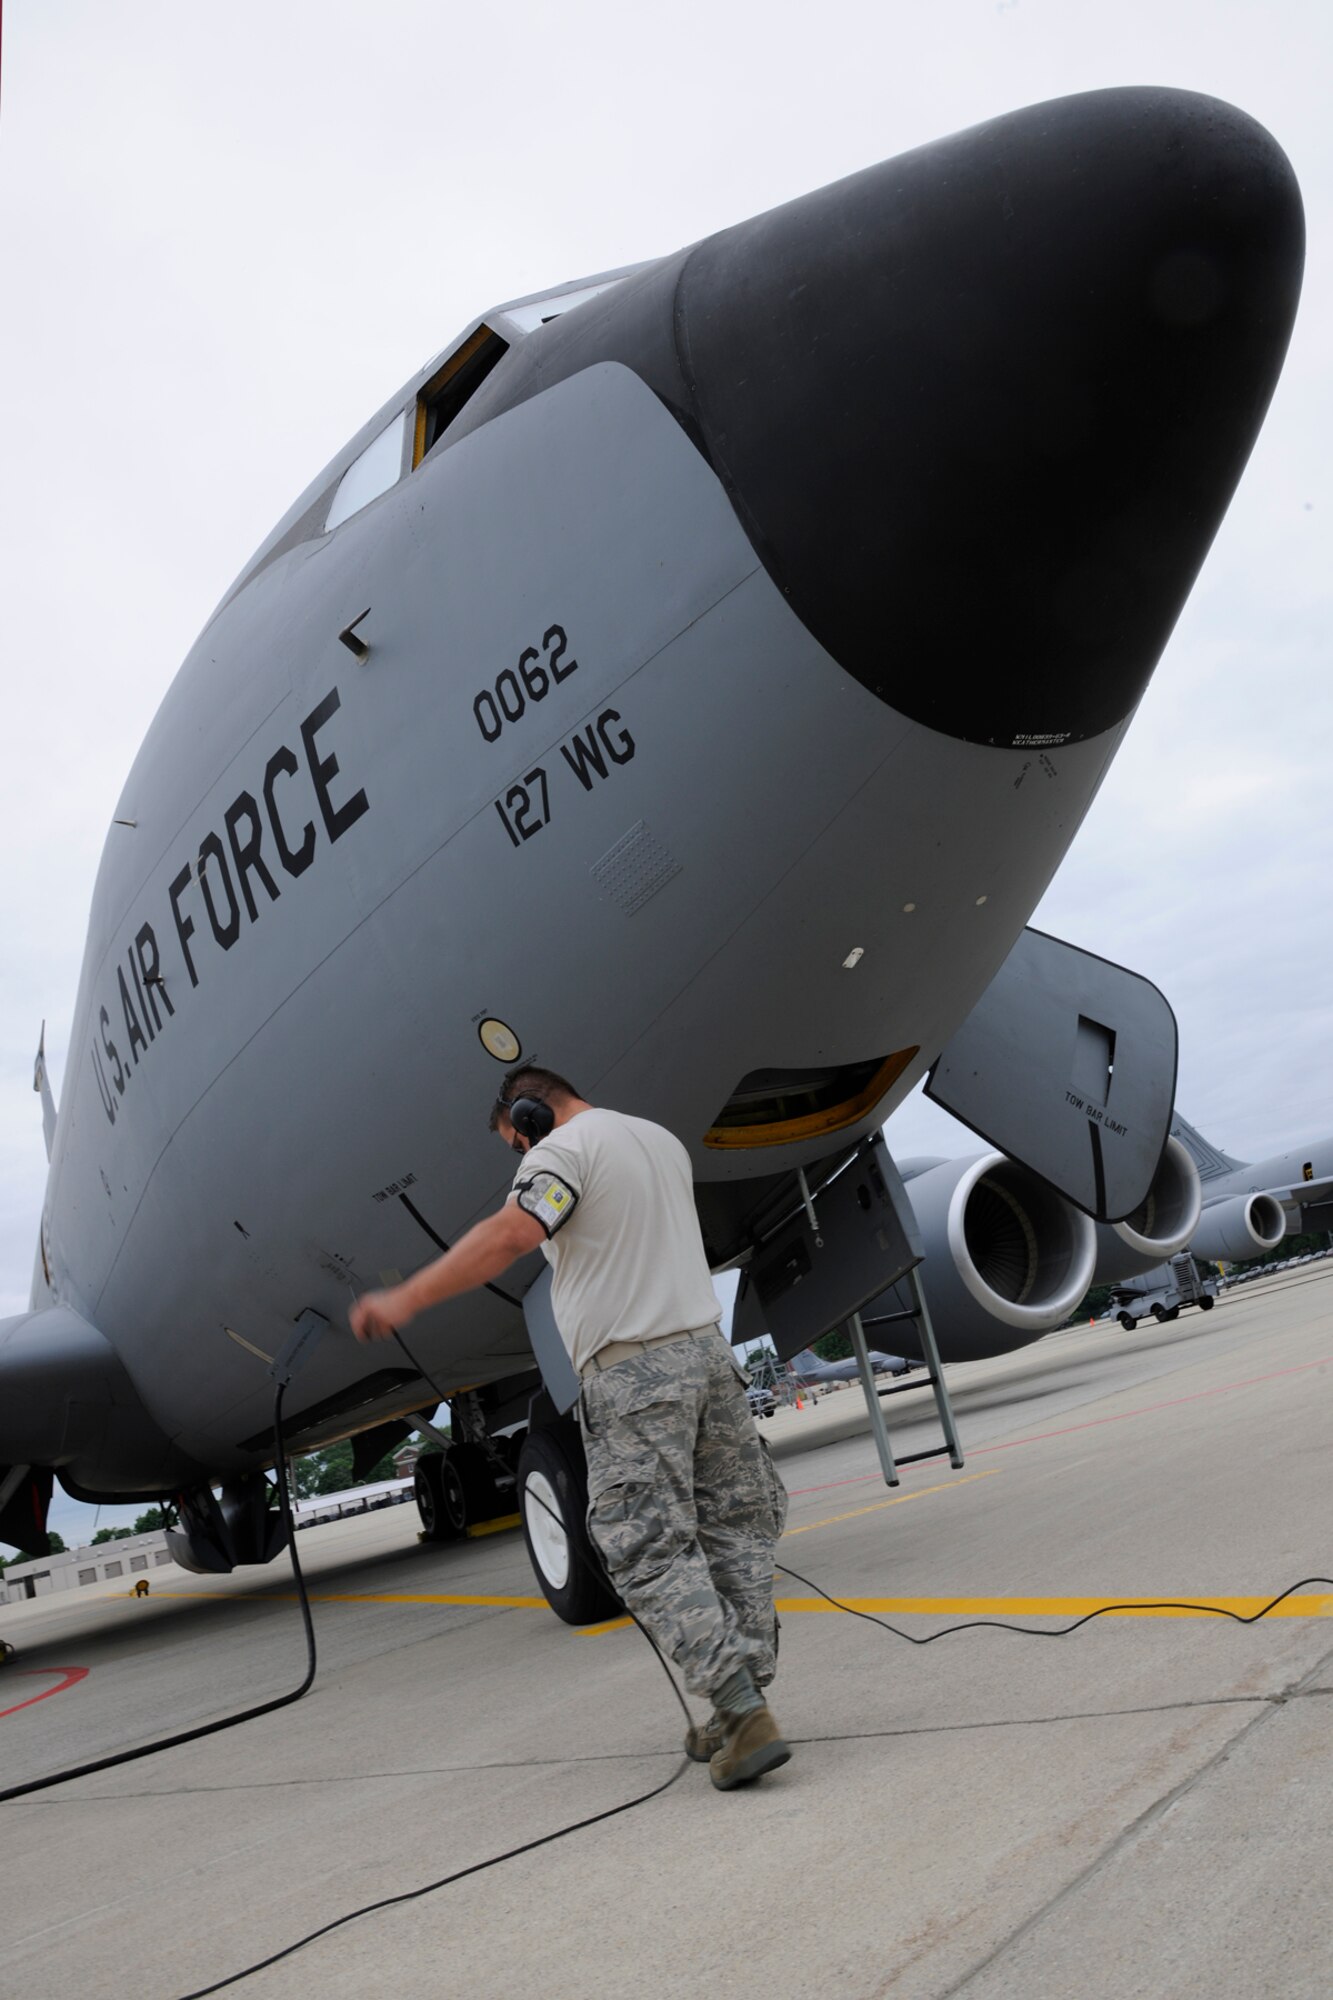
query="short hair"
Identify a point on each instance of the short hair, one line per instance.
(543, 1084)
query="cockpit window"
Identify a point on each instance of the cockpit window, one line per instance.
(539, 311)
(379, 467)
(451, 386)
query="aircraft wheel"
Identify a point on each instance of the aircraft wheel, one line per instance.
(480, 1496)
(439, 1498)
(553, 1505)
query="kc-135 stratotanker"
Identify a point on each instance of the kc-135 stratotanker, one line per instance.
(692, 678)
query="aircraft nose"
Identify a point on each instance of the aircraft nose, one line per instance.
(981, 409)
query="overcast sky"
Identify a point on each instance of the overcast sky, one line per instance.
(229, 231)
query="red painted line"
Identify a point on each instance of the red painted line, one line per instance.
(70, 1676)
(1146, 1410)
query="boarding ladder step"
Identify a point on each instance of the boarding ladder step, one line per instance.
(930, 1354)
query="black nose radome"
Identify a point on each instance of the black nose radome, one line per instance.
(981, 409)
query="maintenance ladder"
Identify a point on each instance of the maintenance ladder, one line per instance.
(930, 1354)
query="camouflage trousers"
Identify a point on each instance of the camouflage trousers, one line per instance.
(685, 1506)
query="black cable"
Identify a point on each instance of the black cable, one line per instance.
(1049, 1631)
(610, 1812)
(595, 1567)
(599, 1571)
(282, 1701)
(226, 1721)
(411, 1895)
(441, 1245)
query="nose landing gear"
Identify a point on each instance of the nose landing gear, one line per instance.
(553, 1506)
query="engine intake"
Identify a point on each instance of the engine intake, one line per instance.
(1243, 1227)
(1006, 1260)
(1162, 1224)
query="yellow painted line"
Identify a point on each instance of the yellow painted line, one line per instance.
(370, 1597)
(1310, 1606)
(899, 1500)
(495, 1527)
(1062, 1607)
(427, 1597)
(803, 1604)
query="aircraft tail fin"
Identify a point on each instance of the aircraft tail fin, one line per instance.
(41, 1083)
(1211, 1161)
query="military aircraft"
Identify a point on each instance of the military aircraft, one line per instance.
(1248, 1207)
(807, 1366)
(692, 677)
(1007, 1260)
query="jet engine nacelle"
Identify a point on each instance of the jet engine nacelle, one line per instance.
(1163, 1223)
(1006, 1259)
(1243, 1227)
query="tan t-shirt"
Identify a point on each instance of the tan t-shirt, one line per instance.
(615, 1196)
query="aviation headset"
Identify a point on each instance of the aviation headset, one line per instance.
(530, 1118)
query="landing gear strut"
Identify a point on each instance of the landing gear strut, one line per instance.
(471, 1481)
(214, 1536)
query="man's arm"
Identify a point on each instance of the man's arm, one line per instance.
(488, 1248)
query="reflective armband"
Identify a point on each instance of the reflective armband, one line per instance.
(547, 1197)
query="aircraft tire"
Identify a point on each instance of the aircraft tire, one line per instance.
(481, 1498)
(552, 1475)
(439, 1498)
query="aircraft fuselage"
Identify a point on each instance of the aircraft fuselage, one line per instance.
(619, 781)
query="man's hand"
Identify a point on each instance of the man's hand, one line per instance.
(375, 1315)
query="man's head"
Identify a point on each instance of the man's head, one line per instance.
(542, 1100)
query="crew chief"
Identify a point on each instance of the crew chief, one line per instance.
(685, 1506)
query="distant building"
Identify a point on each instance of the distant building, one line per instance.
(319, 1507)
(137, 1555)
(129, 1557)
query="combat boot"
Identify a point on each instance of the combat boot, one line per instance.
(752, 1745)
(704, 1739)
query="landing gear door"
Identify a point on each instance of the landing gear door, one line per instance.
(1068, 1064)
(561, 1383)
(807, 1279)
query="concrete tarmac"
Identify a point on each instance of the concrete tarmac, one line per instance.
(1142, 1808)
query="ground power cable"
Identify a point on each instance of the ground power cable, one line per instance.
(590, 1558)
(1053, 1631)
(593, 1565)
(428, 1888)
(225, 1721)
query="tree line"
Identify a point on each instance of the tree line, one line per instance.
(314, 1473)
